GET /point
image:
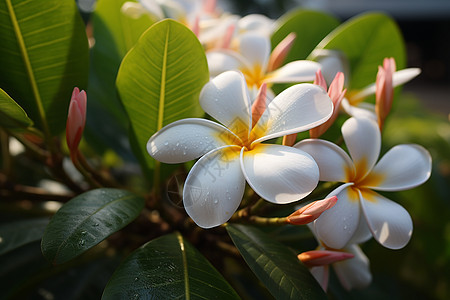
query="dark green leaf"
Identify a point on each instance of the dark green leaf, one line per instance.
(366, 40)
(275, 265)
(12, 116)
(310, 28)
(19, 233)
(86, 220)
(43, 55)
(159, 82)
(167, 268)
(115, 34)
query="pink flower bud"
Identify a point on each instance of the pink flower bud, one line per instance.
(384, 90)
(317, 258)
(259, 105)
(336, 92)
(312, 211)
(280, 52)
(76, 119)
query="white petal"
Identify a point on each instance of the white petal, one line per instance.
(362, 233)
(226, 99)
(363, 139)
(354, 273)
(401, 168)
(280, 174)
(363, 110)
(296, 71)
(220, 61)
(256, 22)
(405, 75)
(321, 274)
(214, 187)
(153, 8)
(334, 163)
(298, 108)
(337, 225)
(398, 78)
(187, 139)
(332, 62)
(256, 49)
(390, 223)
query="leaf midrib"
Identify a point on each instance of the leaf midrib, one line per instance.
(28, 67)
(185, 266)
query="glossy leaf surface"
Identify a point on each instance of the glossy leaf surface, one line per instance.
(310, 28)
(12, 116)
(43, 55)
(19, 233)
(167, 268)
(86, 220)
(275, 265)
(159, 82)
(366, 40)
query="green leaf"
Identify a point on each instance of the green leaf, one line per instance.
(366, 40)
(18, 233)
(12, 116)
(159, 82)
(310, 28)
(167, 268)
(43, 55)
(115, 34)
(275, 265)
(86, 220)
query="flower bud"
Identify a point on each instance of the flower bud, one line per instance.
(76, 119)
(312, 211)
(317, 258)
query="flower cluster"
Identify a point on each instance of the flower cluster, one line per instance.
(235, 150)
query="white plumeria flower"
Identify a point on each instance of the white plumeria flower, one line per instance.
(252, 59)
(233, 153)
(361, 212)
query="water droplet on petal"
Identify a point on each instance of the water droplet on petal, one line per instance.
(166, 143)
(216, 201)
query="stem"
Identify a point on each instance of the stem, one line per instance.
(98, 176)
(88, 176)
(5, 155)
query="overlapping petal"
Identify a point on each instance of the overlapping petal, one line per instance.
(226, 99)
(354, 273)
(188, 139)
(220, 61)
(337, 225)
(255, 48)
(362, 110)
(298, 108)
(295, 71)
(363, 139)
(278, 173)
(214, 187)
(334, 163)
(390, 223)
(402, 167)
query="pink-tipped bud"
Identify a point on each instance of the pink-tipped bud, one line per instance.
(76, 119)
(209, 6)
(384, 90)
(280, 52)
(229, 33)
(336, 92)
(259, 106)
(317, 258)
(196, 26)
(290, 139)
(312, 211)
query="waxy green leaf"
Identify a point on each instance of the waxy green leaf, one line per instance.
(366, 40)
(115, 33)
(19, 233)
(86, 220)
(43, 55)
(275, 265)
(12, 116)
(159, 82)
(167, 268)
(310, 28)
